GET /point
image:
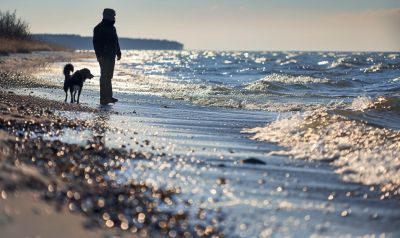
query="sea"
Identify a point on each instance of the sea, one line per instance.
(261, 144)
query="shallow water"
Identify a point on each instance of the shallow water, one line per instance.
(191, 107)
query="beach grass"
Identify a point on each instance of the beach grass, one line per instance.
(13, 45)
(15, 36)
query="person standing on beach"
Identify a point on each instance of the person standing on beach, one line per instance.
(106, 47)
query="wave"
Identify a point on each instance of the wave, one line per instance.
(344, 83)
(381, 111)
(283, 83)
(393, 56)
(381, 67)
(275, 92)
(363, 63)
(343, 62)
(283, 79)
(264, 94)
(361, 152)
(381, 103)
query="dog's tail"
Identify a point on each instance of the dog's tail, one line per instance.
(68, 69)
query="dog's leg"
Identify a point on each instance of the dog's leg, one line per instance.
(72, 97)
(79, 94)
(66, 96)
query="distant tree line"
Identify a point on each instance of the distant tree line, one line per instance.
(85, 42)
(13, 27)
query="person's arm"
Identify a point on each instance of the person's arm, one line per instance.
(98, 44)
(118, 48)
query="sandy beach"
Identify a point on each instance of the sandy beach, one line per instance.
(156, 167)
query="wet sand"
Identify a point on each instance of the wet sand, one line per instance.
(68, 179)
(79, 178)
(23, 212)
(211, 177)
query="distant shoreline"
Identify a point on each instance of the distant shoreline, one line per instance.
(85, 42)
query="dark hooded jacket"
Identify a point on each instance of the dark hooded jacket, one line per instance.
(105, 40)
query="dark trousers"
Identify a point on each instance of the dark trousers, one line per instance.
(106, 74)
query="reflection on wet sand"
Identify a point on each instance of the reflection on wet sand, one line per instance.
(101, 125)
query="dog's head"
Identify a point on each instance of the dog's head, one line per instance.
(86, 73)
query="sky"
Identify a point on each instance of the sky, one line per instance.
(344, 25)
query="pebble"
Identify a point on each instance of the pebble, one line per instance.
(252, 161)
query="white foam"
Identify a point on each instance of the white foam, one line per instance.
(262, 84)
(361, 103)
(370, 154)
(393, 56)
(375, 68)
(343, 61)
(364, 103)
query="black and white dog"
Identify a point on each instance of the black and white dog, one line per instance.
(75, 82)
